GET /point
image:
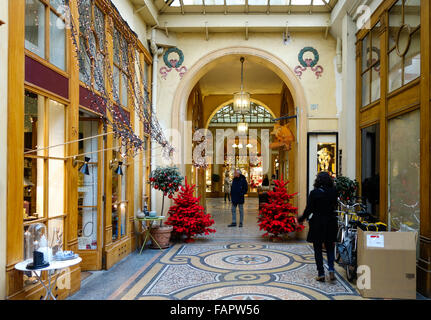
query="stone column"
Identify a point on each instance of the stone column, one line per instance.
(347, 123)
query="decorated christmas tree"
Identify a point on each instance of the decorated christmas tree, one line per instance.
(188, 217)
(278, 216)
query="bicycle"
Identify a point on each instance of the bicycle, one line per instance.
(346, 248)
(344, 217)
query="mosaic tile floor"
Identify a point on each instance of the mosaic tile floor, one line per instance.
(233, 264)
(235, 271)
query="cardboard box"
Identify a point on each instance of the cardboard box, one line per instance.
(391, 258)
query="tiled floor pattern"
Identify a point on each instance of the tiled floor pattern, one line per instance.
(235, 271)
(234, 263)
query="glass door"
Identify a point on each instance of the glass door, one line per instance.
(370, 164)
(89, 191)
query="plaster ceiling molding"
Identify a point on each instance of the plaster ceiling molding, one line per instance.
(224, 77)
(147, 11)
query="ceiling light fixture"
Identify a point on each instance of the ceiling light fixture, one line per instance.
(242, 127)
(241, 99)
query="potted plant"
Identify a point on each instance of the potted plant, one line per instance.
(167, 180)
(278, 216)
(347, 188)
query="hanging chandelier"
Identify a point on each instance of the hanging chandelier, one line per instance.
(242, 127)
(241, 99)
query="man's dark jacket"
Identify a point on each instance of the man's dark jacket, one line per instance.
(238, 189)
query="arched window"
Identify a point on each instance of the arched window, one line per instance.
(258, 114)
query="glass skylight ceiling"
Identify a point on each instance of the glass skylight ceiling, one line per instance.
(177, 3)
(237, 6)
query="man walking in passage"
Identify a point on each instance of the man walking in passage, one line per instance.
(238, 189)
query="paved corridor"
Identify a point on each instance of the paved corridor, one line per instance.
(234, 263)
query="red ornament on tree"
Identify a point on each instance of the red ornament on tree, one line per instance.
(187, 217)
(278, 216)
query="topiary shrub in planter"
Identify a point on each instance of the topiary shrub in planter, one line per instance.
(347, 188)
(167, 180)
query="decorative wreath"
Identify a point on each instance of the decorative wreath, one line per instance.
(301, 57)
(180, 55)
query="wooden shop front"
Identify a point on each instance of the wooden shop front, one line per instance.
(55, 126)
(393, 122)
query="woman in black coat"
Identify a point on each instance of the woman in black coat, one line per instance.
(323, 223)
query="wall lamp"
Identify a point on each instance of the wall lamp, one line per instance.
(84, 167)
(119, 169)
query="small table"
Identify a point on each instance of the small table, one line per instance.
(149, 226)
(53, 267)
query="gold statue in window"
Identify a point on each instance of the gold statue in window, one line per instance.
(324, 158)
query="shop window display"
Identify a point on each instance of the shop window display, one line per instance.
(404, 172)
(208, 180)
(34, 125)
(88, 184)
(123, 205)
(44, 169)
(119, 192)
(322, 153)
(326, 157)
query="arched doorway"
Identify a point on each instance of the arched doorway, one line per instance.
(247, 151)
(272, 62)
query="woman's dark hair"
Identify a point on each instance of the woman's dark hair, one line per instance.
(323, 180)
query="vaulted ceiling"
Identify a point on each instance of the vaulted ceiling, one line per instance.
(225, 77)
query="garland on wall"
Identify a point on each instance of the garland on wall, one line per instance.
(308, 63)
(93, 53)
(173, 63)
